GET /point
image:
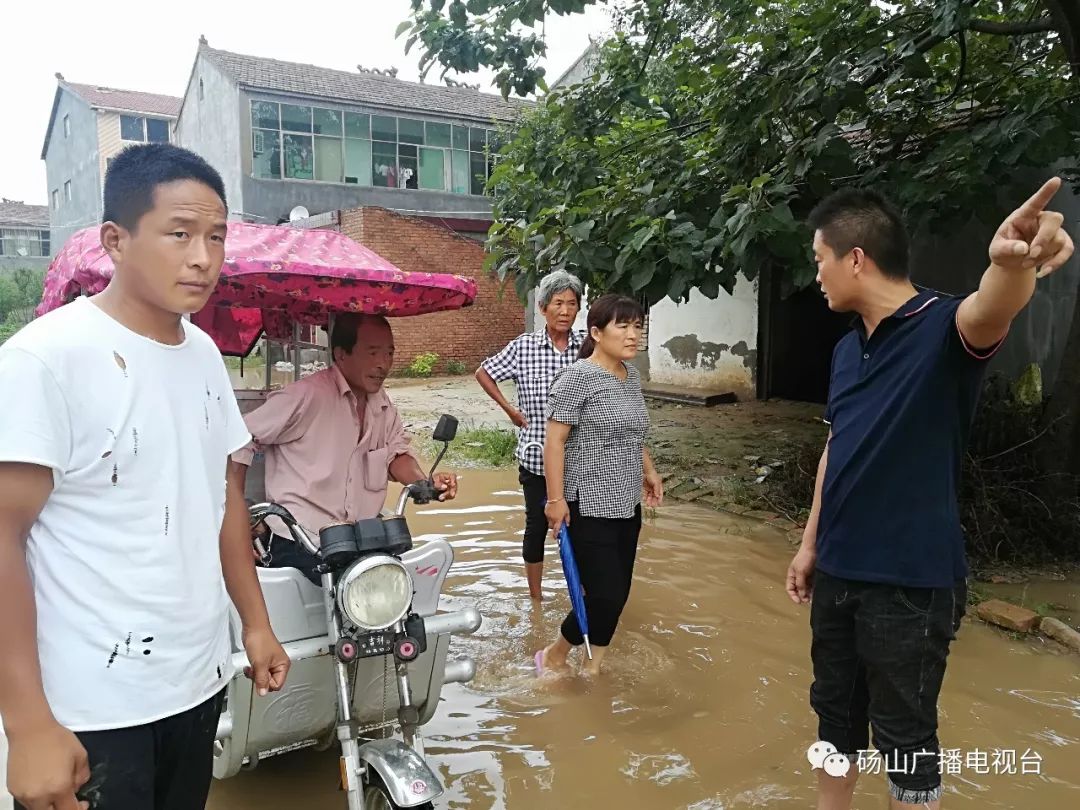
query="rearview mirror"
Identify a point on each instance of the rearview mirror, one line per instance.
(446, 430)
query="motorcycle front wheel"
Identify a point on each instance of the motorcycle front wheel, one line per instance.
(376, 797)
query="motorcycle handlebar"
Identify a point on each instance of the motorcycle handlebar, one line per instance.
(261, 511)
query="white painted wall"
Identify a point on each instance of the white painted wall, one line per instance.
(705, 343)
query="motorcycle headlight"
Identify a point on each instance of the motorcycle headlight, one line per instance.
(375, 593)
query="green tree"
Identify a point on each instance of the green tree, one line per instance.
(692, 153)
(20, 292)
(709, 128)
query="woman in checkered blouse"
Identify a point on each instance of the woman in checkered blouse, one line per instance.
(597, 470)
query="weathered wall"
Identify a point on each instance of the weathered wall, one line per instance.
(467, 335)
(209, 124)
(73, 158)
(271, 200)
(707, 343)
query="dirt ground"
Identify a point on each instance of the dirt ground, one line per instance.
(713, 455)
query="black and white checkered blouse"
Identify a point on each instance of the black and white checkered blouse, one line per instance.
(532, 361)
(609, 423)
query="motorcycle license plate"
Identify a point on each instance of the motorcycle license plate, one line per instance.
(373, 644)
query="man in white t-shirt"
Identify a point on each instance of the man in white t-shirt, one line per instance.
(120, 542)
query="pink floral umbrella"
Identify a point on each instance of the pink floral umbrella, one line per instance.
(275, 276)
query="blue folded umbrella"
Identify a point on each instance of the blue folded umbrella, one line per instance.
(573, 585)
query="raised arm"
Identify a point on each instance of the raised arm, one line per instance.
(1031, 243)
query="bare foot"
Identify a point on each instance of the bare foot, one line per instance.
(552, 661)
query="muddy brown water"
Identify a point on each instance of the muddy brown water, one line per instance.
(704, 703)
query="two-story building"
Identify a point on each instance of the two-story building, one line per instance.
(88, 126)
(24, 235)
(286, 135)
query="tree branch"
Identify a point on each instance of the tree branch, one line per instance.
(1012, 29)
(654, 37)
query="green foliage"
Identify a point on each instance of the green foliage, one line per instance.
(455, 367)
(423, 365)
(709, 129)
(20, 292)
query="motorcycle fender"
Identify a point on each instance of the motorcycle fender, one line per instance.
(407, 777)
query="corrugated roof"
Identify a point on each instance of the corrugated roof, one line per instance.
(110, 98)
(21, 215)
(258, 73)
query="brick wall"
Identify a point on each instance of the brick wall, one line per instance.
(468, 335)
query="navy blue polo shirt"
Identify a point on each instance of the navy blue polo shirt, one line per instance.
(901, 405)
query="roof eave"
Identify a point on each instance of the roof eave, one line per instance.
(52, 121)
(123, 111)
(395, 108)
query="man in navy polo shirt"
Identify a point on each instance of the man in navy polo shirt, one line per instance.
(882, 557)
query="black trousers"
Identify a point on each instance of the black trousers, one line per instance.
(166, 765)
(879, 654)
(605, 549)
(535, 489)
(285, 553)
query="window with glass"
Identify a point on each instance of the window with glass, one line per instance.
(140, 129)
(331, 145)
(24, 242)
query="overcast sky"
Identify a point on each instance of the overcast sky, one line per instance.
(139, 46)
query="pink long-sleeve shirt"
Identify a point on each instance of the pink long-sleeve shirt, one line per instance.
(318, 465)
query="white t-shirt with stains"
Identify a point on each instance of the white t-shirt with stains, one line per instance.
(132, 612)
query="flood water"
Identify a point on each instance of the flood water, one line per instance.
(704, 702)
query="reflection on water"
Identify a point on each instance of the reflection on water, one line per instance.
(704, 703)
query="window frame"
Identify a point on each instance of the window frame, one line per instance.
(447, 132)
(145, 119)
(142, 121)
(33, 236)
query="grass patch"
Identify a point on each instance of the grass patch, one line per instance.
(475, 447)
(976, 594)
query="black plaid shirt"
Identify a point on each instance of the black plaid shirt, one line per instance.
(532, 361)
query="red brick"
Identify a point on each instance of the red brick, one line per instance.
(467, 335)
(1008, 615)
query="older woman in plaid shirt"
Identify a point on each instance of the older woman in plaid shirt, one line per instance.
(532, 360)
